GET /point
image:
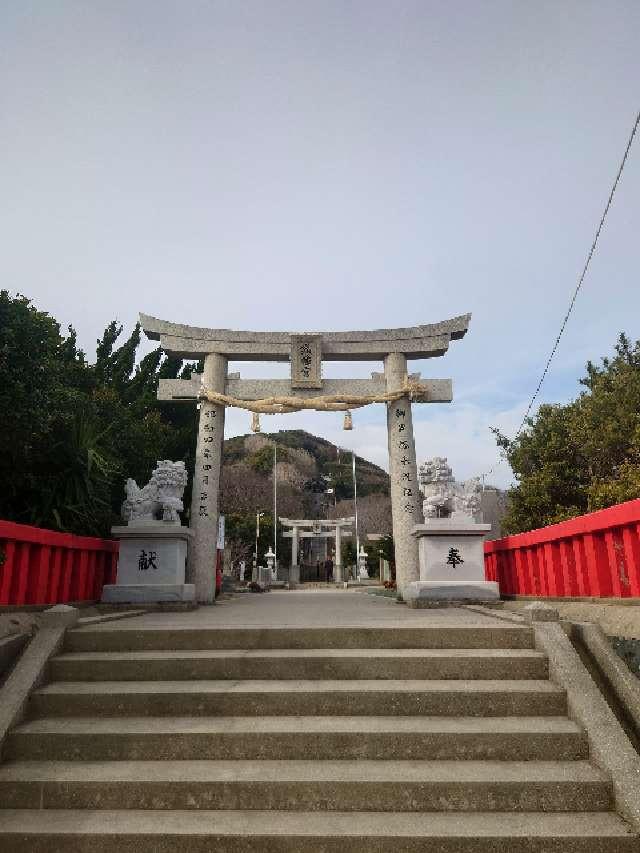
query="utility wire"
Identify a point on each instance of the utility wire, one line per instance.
(582, 277)
(579, 285)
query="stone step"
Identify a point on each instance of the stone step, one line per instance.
(297, 738)
(300, 664)
(307, 785)
(120, 637)
(308, 698)
(148, 831)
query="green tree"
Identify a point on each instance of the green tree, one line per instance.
(348, 552)
(388, 553)
(608, 426)
(262, 460)
(44, 382)
(76, 492)
(582, 456)
(71, 431)
(240, 537)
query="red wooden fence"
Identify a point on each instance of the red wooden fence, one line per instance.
(44, 567)
(595, 555)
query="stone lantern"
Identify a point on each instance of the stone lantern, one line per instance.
(271, 562)
(363, 573)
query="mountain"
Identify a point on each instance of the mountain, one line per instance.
(307, 467)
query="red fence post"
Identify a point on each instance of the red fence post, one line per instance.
(7, 571)
(568, 568)
(38, 589)
(592, 552)
(91, 574)
(631, 541)
(616, 564)
(81, 573)
(55, 576)
(24, 554)
(67, 572)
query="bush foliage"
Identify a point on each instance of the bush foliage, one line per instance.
(70, 429)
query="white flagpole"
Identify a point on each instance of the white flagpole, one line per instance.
(275, 505)
(355, 505)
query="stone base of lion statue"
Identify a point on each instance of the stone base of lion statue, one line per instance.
(451, 553)
(151, 564)
(153, 545)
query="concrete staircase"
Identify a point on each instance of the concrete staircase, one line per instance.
(447, 740)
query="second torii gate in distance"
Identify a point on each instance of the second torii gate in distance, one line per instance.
(306, 352)
(326, 528)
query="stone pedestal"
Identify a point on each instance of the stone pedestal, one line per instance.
(451, 556)
(151, 564)
(385, 571)
(294, 576)
(264, 577)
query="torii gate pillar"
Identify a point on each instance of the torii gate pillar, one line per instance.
(406, 503)
(201, 569)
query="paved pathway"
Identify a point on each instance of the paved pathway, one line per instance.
(305, 608)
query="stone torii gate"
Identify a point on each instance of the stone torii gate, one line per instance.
(216, 389)
(325, 528)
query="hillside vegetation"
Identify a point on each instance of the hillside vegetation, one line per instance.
(308, 467)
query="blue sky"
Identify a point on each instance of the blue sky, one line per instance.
(326, 165)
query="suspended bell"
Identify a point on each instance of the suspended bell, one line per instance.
(255, 422)
(348, 420)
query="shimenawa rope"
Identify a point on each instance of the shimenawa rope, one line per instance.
(324, 403)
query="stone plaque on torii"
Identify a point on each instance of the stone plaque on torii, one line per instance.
(306, 389)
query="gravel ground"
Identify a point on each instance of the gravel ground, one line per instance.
(615, 620)
(629, 651)
(17, 623)
(621, 624)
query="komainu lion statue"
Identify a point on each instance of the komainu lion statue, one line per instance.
(466, 501)
(443, 496)
(436, 478)
(160, 499)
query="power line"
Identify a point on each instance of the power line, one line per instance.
(582, 277)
